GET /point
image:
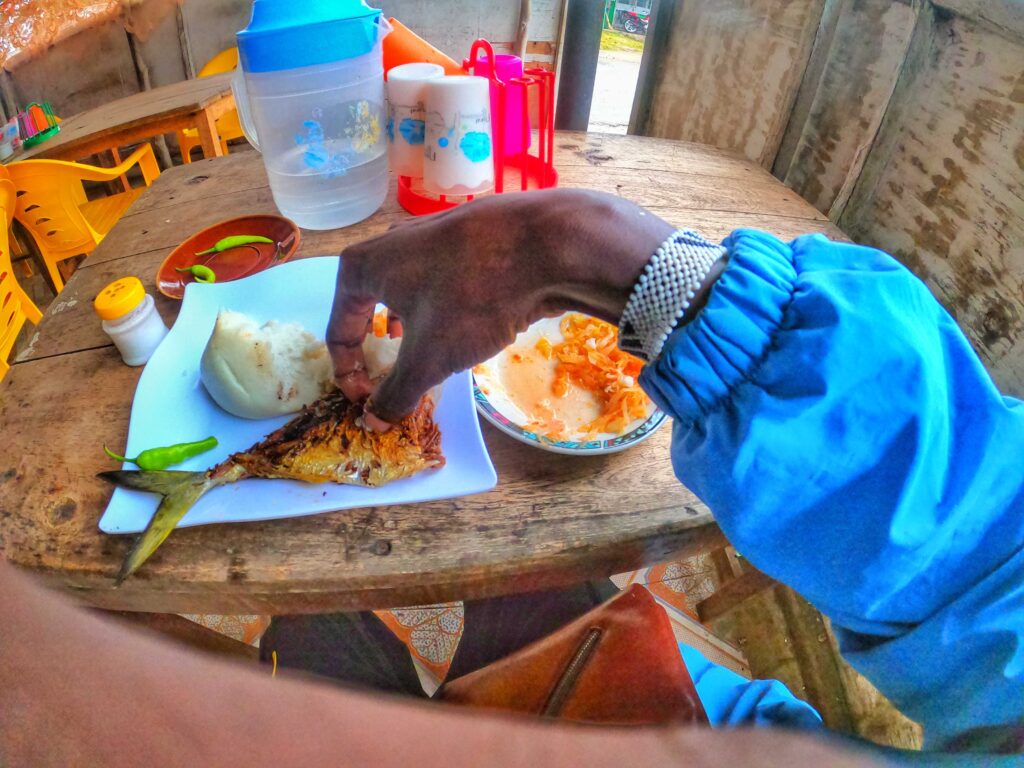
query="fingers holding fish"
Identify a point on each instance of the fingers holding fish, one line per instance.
(350, 319)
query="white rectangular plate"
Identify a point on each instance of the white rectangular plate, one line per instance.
(171, 406)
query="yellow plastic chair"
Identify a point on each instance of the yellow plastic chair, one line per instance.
(228, 126)
(52, 206)
(15, 305)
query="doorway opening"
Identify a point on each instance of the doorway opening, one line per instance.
(618, 65)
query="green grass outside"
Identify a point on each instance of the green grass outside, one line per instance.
(613, 40)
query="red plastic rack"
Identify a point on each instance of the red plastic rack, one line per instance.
(535, 170)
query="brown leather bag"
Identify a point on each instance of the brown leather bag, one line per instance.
(617, 664)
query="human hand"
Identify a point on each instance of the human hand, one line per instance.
(466, 281)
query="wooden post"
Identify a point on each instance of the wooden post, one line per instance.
(10, 99)
(186, 49)
(523, 32)
(584, 19)
(142, 73)
(659, 31)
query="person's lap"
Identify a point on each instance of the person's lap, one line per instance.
(359, 650)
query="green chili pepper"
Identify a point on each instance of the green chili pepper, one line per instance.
(162, 458)
(234, 241)
(201, 272)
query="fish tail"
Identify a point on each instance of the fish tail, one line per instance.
(179, 492)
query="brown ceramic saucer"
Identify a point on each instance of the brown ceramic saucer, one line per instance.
(233, 263)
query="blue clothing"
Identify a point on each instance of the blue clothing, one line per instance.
(730, 699)
(850, 444)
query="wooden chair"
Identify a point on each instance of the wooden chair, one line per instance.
(15, 305)
(51, 204)
(228, 126)
(736, 584)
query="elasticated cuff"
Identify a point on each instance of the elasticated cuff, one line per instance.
(705, 360)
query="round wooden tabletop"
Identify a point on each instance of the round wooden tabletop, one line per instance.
(551, 520)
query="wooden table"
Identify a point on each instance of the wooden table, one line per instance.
(551, 520)
(188, 104)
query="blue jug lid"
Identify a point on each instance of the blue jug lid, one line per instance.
(285, 34)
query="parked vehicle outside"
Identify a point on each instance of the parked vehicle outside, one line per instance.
(629, 16)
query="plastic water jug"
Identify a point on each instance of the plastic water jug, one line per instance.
(310, 96)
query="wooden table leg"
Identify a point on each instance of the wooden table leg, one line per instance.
(27, 244)
(727, 567)
(115, 155)
(208, 136)
(19, 253)
(732, 593)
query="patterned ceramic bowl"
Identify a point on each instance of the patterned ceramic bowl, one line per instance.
(611, 445)
(498, 405)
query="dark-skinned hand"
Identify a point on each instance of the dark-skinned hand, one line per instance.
(466, 281)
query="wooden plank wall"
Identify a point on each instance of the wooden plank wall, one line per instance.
(825, 148)
(943, 187)
(903, 120)
(730, 72)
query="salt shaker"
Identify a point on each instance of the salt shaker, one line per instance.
(130, 319)
(406, 116)
(457, 156)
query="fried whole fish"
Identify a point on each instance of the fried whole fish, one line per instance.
(325, 442)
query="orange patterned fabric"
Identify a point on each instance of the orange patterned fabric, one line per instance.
(672, 581)
(431, 633)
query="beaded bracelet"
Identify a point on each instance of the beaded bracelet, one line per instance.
(664, 291)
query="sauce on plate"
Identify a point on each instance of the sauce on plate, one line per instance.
(566, 379)
(527, 378)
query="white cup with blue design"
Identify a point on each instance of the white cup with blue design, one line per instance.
(406, 126)
(458, 153)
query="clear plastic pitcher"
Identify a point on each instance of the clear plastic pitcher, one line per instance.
(310, 94)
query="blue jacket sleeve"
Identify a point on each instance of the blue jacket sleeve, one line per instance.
(732, 700)
(850, 443)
